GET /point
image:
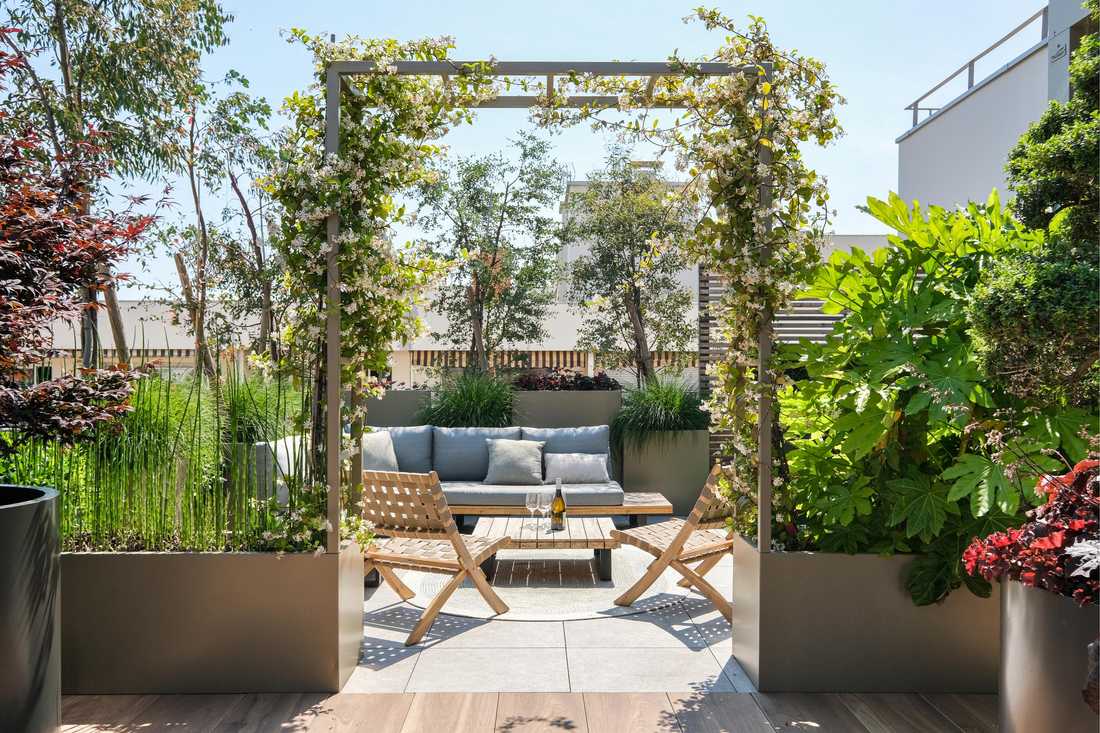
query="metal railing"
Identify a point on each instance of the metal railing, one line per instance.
(968, 67)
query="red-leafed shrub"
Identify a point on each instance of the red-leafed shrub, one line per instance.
(564, 380)
(51, 248)
(1057, 549)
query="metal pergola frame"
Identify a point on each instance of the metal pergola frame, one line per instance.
(336, 75)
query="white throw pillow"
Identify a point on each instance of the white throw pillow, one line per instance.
(577, 468)
(378, 453)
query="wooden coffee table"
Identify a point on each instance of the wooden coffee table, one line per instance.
(580, 533)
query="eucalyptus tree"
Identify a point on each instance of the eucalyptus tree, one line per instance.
(120, 67)
(626, 284)
(492, 224)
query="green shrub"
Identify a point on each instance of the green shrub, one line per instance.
(259, 409)
(893, 440)
(470, 400)
(654, 410)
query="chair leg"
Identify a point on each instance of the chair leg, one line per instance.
(395, 582)
(651, 574)
(487, 591)
(702, 569)
(428, 617)
(705, 588)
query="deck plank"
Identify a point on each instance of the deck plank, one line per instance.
(348, 712)
(970, 713)
(461, 712)
(260, 713)
(193, 712)
(896, 713)
(630, 712)
(92, 713)
(541, 712)
(719, 712)
(823, 713)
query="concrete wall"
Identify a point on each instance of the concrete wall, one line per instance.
(959, 154)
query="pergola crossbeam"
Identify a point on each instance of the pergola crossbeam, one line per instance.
(545, 68)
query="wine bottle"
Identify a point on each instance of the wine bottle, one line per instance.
(557, 509)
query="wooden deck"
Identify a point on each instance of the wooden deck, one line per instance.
(491, 712)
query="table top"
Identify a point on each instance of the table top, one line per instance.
(634, 502)
(593, 533)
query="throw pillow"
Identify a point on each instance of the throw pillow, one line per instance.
(378, 453)
(514, 462)
(577, 468)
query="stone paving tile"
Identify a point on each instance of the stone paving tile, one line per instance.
(671, 629)
(384, 666)
(491, 670)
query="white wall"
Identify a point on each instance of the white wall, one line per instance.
(959, 153)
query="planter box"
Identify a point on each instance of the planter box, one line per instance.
(151, 622)
(1044, 661)
(825, 622)
(397, 408)
(565, 409)
(30, 624)
(675, 464)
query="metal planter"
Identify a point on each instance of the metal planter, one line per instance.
(30, 642)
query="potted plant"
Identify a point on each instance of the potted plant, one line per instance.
(51, 252)
(1049, 571)
(662, 439)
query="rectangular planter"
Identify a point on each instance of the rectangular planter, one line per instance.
(1044, 661)
(565, 409)
(397, 408)
(827, 622)
(675, 464)
(152, 622)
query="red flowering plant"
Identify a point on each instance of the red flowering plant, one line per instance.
(1058, 549)
(51, 248)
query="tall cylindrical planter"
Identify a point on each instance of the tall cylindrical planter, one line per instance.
(1044, 660)
(30, 642)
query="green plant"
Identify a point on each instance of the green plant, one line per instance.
(470, 400)
(656, 409)
(259, 408)
(893, 440)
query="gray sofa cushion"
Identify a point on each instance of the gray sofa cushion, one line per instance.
(413, 447)
(589, 439)
(475, 493)
(378, 452)
(514, 462)
(461, 454)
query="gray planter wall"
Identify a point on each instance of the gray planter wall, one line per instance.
(825, 622)
(1044, 661)
(397, 408)
(30, 624)
(565, 409)
(675, 464)
(149, 622)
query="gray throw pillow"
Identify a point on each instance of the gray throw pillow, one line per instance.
(514, 462)
(576, 468)
(378, 453)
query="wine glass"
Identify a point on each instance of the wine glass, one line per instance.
(531, 501)
(545, 497)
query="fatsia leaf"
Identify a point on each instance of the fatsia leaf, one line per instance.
(922, 505)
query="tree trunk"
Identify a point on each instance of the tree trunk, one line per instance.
(89, 330)
(643, 359)
(203, 360)
(118, 329)
(478, 359)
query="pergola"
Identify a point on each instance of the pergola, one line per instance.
(336, 81)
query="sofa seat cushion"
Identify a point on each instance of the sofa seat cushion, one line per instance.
(475, 493)
(461, 454)
(413, 447)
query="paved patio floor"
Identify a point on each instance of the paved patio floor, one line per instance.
(684, 646)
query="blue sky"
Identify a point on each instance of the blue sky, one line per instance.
(882, 54)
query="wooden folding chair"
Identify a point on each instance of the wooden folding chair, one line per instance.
(417, 532)
(677, 543)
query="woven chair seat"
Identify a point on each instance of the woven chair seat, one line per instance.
(422, 554)
(656, 538)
